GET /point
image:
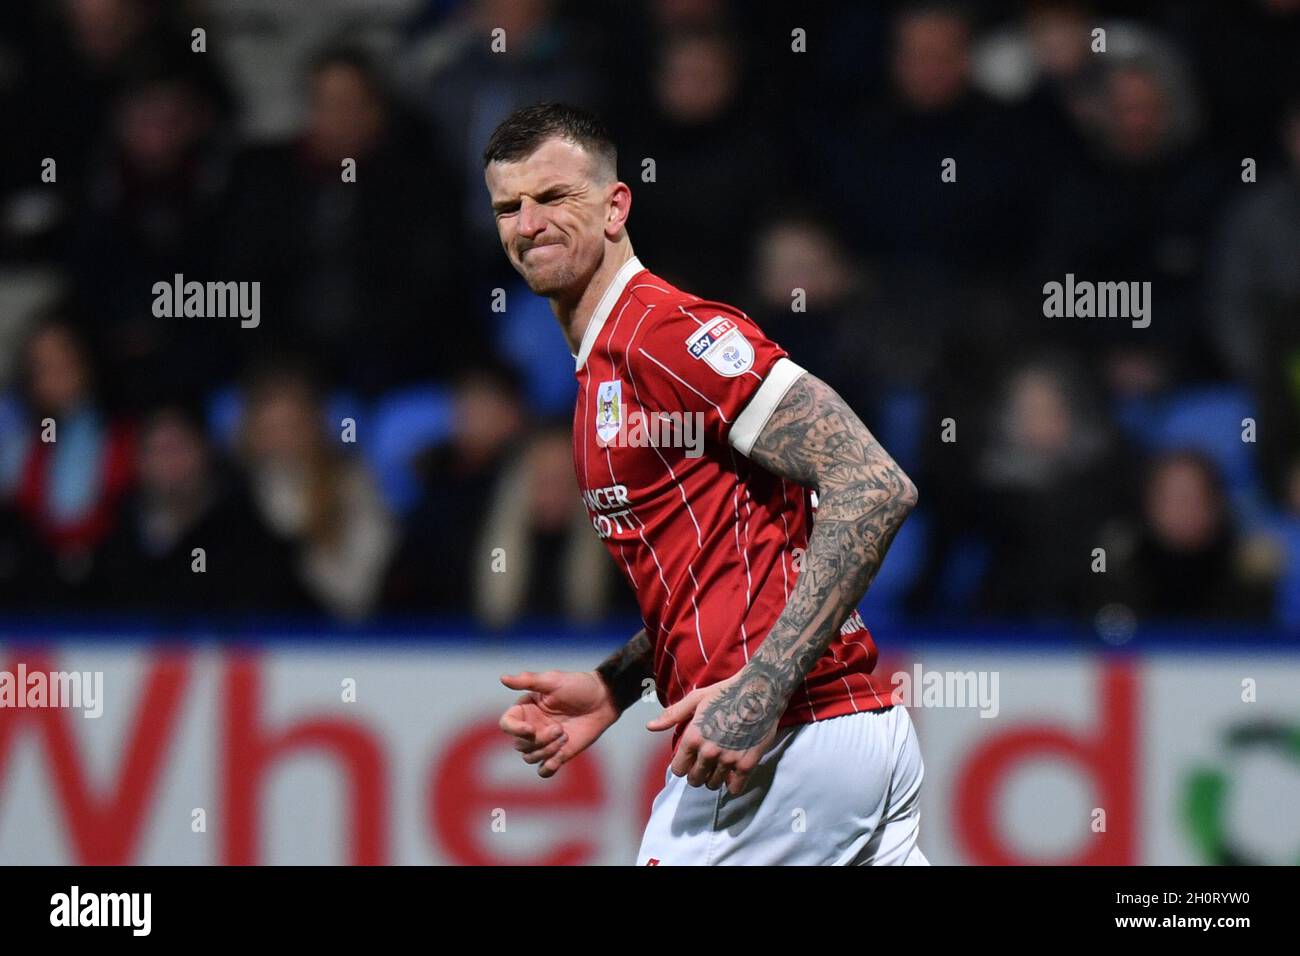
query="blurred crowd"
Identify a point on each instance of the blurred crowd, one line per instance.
(389, 441)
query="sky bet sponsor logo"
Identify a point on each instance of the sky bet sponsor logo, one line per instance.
(708, 336)
(722, 345)
(617, 426)
(134, 910)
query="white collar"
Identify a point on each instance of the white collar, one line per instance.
(605, 307)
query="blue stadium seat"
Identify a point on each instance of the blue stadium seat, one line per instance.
(1209, 419)
(902, 416)
(904, 562)
(13, 433)
(1284, 528)
(404, 423)
(11, 412)
(528, 338)
(225, 409)
(963, 572)
(341, 405)
(1140, 418)
(1287, 609)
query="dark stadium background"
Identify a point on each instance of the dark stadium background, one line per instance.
(403, 408)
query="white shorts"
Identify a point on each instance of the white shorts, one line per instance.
(840, 791)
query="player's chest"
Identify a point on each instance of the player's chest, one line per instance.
(628, 456)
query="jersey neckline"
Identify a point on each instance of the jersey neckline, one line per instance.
(604, 308)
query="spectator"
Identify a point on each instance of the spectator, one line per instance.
(361, 275)
(537, 555)
(708, 155)
(308, 492)
(434, 571)
(949, 248)
(1043, 64)
(885, 165)
(1245, 55)
(25, 566)
(1047, 482)
(68, 469)
(798, 253)
(469, 88)
(1256, 299)
(64, 64)
(263, 45)
(151, 210)
(186, 501)
(1139, 203)
(1187, 562)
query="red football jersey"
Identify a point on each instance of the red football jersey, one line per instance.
(672, 392)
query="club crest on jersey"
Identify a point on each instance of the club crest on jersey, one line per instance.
(609, 410)
(722, 344)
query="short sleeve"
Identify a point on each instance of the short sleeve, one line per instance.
(711, 359)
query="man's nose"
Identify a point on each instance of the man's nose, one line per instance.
(531, 219)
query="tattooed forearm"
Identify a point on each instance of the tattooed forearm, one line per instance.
(626, 670)
(815, 439)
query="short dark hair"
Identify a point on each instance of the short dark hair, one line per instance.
(524, 130)
(352, 56)
(186, 409)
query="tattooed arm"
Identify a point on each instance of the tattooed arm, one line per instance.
(815, 439)
(626, 670)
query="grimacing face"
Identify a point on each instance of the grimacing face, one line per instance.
(554, 214)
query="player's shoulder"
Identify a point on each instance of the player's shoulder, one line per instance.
(653, 291)
(691, 329)
(683, 334)
(673, 329)
(676, 314)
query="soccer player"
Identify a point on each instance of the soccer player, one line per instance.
(752, 636)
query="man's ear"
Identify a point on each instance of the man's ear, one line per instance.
(617, 210)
